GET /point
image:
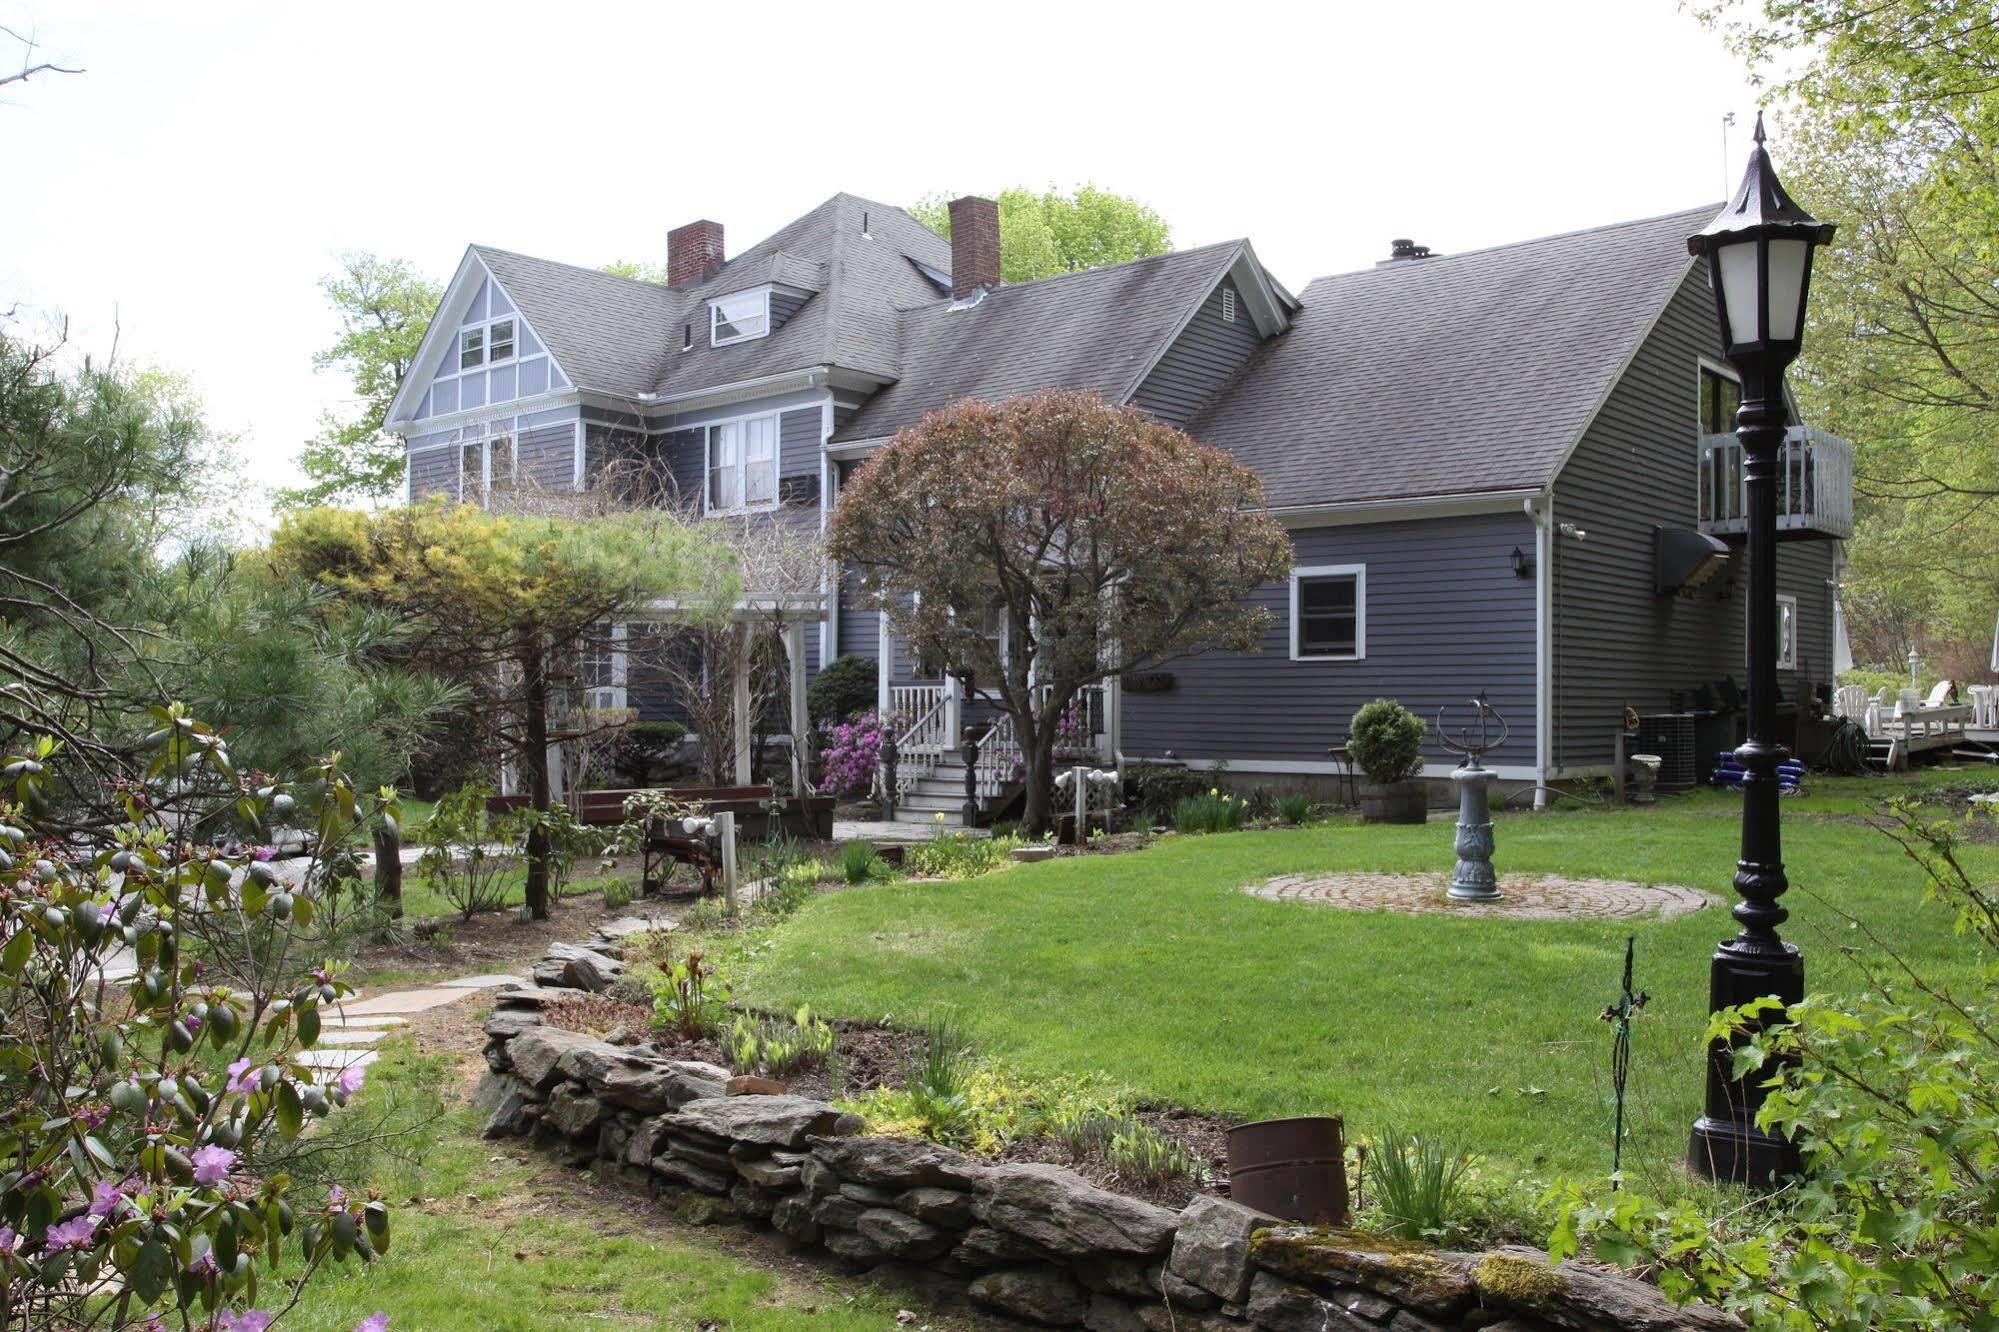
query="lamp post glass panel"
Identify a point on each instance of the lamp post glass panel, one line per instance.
(1759, 253)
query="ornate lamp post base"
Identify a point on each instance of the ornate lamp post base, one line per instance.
(1474, 879)
(1726, 1144)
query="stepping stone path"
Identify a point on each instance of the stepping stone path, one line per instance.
(350, 1030)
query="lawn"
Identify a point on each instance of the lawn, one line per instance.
(493, 1238)
(1155, 968)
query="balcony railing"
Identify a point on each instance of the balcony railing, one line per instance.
(1814, 486)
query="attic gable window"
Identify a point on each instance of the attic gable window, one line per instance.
(739, 317)
(486, 344)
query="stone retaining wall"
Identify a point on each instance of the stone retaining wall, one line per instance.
(1034, 1242)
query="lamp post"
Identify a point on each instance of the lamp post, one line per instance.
(1759, 253)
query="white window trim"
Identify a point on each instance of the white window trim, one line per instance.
(489, 432)
(715, 313)
(708, 430)
(613, 697)
(1359, 574)
(1787, 662)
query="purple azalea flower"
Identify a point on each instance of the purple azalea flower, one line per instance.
(211, 1165)
(350, 1079)
(71, 1234)
(250, 1320)
(192, 1022)
(10, 1240)
(374, 1322)
(264, 853)
(106, 1198)
(204, 1264)
(336, 1196)
(242, 1077)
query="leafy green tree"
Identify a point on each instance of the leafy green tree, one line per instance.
(505, 605)
(385, 306)
(1050, 232)
(637, 270)
(1891, 129)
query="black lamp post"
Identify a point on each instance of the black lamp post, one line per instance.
(1759, 253)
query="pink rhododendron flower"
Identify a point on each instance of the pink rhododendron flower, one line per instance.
(212, 1165)
(204, 1264)
(71, 1234)
(335, 1196)
(242, 1077)
(350, 1079)
(374, 1322)
(10, 1240)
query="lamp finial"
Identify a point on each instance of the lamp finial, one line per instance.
(1759, 128)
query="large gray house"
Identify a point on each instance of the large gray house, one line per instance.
(1506, 470)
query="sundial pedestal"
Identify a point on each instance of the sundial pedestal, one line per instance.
(1474, 880)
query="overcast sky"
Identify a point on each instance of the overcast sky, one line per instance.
(192, 187)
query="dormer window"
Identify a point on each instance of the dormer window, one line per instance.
(739, 317)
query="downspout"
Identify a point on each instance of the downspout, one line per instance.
(1540, 510)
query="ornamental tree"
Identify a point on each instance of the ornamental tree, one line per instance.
(507, 606)
(154, 1008)
(1101, 540)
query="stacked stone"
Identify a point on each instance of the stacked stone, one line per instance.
(1034, 1242)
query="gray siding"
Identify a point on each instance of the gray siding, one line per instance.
(783, 306)
(547, 456)
(434, 472)
(1199, 362)
(1446, 617)
(1617, 645)
(798, 437)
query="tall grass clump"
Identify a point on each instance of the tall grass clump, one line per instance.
(1416, 1184)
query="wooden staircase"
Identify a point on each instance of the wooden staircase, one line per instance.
(942, 791)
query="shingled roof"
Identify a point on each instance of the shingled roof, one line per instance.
(1095, 329)
(1465, 372)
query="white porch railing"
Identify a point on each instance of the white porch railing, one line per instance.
(1814, 484)
(1083, 734)
(923, 742)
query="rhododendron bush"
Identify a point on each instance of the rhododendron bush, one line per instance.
(1038, 545)
(153, 1022)
(848, 763)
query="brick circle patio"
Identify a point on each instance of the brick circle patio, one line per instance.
(1527, 896)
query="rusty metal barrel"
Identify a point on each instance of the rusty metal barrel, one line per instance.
(1294, 1169)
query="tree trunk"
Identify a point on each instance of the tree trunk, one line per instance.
(389, 868)
(1037, 757)
(534, 682)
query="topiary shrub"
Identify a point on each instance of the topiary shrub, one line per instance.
(642, 747)
(845, 687)
(1386, 740)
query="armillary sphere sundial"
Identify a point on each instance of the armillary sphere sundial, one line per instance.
(1473, 879)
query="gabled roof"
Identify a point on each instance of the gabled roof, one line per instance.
(1099, 329)
(606, 332)
(1438, 376)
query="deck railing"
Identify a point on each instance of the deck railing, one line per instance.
(1814, 485)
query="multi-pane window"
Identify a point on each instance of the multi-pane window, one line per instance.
(486, 344)
(1720, 396)
(604, 669)
(739, 318)
(742, 464)
(1329, 613)
(486, 467)
(471, 348)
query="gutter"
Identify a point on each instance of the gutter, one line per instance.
(1409, 506)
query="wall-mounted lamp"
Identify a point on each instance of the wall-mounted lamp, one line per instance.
(1523, 563)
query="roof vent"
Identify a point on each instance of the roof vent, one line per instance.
(1407, 249)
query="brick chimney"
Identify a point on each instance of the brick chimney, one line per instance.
(975, 246)
(693, 252)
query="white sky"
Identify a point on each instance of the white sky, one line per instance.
(194, 184)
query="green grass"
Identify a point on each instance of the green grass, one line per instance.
(423, 898)
(1155, 969)
(493, 1239)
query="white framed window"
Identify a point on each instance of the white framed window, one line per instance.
(487, 464)
(1787, 633)
(742, 464)
(471, 348)
(489, 343)
(739, 317)
(606, 671)
(1329, 612)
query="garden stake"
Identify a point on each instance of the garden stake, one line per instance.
(1619, 1016)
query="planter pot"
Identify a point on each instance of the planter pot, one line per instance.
(1395, 802)
(1294, 1169)
(1645, 777)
